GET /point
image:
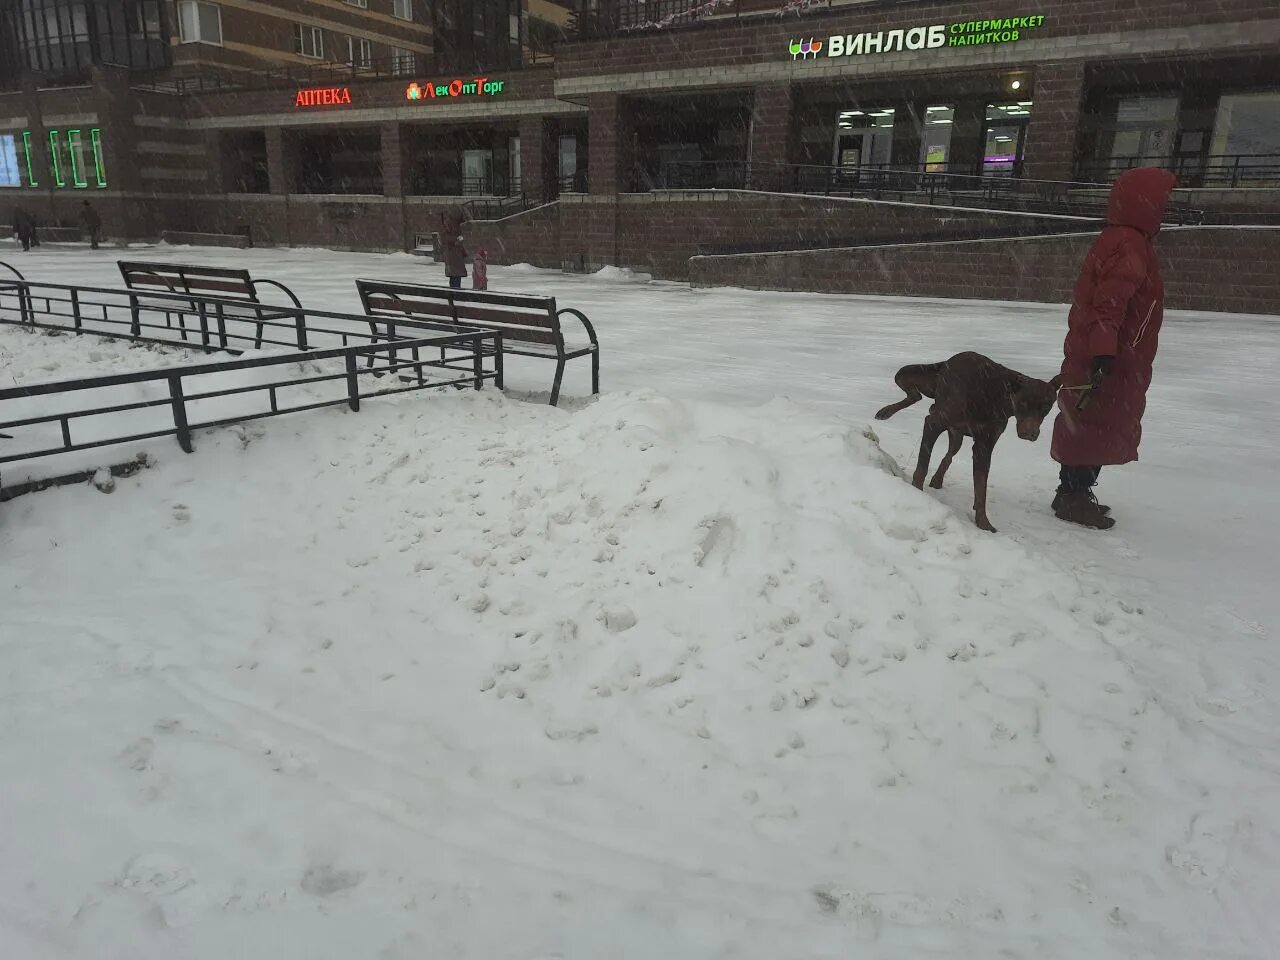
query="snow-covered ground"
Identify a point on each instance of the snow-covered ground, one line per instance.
(686, 672)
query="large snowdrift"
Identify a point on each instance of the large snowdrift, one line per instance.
(461, 676)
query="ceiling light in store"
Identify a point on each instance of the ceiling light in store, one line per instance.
(1015, 84)
(940, 121)
(936, 109)
(851, 113)
(1004, 139)
(1024, 103)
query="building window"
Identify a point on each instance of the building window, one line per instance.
(357, 3)
(10, 176)
(402, 9)
(359, 52)
(1246, 135)
(935, 137)
(401, 62)
(199, 22)
(308, 41)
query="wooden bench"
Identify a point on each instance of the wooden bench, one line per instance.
(529, 325)
(224, 283)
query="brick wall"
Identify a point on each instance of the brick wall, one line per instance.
(530, 237)
(1233, 269)
(658, 233)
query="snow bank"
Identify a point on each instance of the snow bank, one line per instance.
(459, 675)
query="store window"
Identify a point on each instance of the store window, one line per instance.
(1004, 138)
(935, 138)
(515, 168)
(1143, 130)
(477, 172)
(345, 162)
(567, 168)
(402, 9)
(1246, 134)
(308, 41)
(199, 22)
(359, 52)
(864, 140)
(10, 174)
(244, 157)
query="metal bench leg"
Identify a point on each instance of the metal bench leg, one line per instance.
(595, 372)
(555, 385)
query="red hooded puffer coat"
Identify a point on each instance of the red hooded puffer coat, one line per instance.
(1117, 311)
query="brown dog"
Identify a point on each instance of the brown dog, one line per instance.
(973, 397)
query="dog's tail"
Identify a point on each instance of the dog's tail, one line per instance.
(916, 380)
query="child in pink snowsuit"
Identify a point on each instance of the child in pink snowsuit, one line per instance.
(480, 270)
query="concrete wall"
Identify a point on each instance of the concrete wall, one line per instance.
(1234, 269)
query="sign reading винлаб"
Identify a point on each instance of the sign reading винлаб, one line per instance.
(963, 33)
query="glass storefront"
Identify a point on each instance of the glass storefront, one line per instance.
(935, 138)
(1004, 138)
(1246, 134)
(864, 139)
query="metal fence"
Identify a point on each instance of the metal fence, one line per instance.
(1219, 170)
(913, 184)
(170, 407)
(333, 358)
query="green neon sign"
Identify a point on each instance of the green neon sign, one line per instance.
(95, 137)
(31, 169)
(74, 147)
(53, 158)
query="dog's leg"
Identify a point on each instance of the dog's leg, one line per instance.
(954, 439)
(982, 447)
(932, 430)
(916, 380)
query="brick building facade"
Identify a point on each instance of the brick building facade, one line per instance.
(646, 147)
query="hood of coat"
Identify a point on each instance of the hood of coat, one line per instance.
(1139, 198)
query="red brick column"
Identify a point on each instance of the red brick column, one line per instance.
(278, 161)
(1049, 153)
(771, 125)
(609, 154)
(536, 163)
(392, 160)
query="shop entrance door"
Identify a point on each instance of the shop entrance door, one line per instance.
(477, 172)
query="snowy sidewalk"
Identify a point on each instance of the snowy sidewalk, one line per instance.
(689, 672)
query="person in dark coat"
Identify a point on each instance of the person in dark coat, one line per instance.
(455, 254)
(92, 223)
(1110, 347)
(24, 225)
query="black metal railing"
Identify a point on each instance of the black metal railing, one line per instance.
(332, 351)
(915, 184)
(177, 401)
(1218, 170)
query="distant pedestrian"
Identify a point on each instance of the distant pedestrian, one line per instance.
(91, 222)
(1112, 335)
(455, 254)
(480, 270)
(24, 227)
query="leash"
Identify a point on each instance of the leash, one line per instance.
(1086, 391)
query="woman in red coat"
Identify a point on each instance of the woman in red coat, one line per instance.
(1110, 347)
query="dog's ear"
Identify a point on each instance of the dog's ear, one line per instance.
(1056, 382)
